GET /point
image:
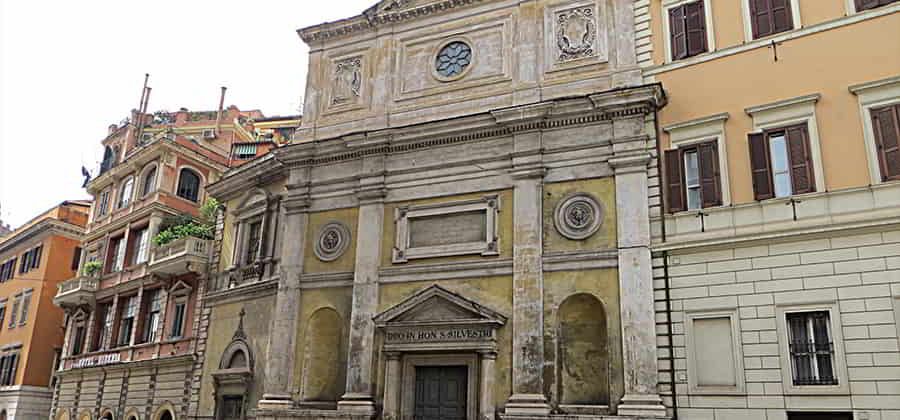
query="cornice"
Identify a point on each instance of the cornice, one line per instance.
(131, 165)
(387, 12)
(259, 173)
(121, 222)
(47, 225)
(596, 108)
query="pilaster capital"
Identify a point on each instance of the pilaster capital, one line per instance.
(630, 163)
(487, 354)
(392, 355)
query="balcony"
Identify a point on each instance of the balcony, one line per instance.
(77, 291)
(245, 275)
(182, 256)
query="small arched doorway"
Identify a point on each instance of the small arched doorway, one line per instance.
(166, 415)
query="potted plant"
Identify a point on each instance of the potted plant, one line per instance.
(91, 268)
(182, 226)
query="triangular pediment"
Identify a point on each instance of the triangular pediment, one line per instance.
(253, 198)
(437, 305)
(388, 6)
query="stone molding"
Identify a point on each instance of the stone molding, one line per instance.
(52, 226)
(596, 108)
(387, 12)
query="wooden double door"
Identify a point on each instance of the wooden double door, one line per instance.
(441, 392)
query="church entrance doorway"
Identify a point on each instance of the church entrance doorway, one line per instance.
(441, 392)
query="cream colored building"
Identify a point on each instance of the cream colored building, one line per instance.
(460, 228)
(777, 262)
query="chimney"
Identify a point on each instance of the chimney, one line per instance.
(219, 114)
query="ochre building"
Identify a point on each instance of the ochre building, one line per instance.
(777, 261)
(34, 259)
(459, 229)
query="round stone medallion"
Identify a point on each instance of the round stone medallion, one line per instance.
(333, 240)
(578, 216)
(453, 60)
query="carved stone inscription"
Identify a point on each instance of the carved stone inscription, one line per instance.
(439, 334)
(455, 228)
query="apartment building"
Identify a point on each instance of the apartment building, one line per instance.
(34, 259)
(132, 309)
(776, 267)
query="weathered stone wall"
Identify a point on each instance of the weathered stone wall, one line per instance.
(225, 317)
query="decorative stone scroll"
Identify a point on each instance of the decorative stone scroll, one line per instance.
(576, 33)
(332, 241)
(347, 81)
(578, 216)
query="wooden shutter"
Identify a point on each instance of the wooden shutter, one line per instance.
(886, 127)
(870, 4)
(678, 34)
(760, 167)
(675, 181)
(781, 16)
(710, 179)
(800, 159)
(760, 17)
(695, 25)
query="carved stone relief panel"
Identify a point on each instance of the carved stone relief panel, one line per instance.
(575, 34)
(333, 240)
(346, 81)
(578, 216)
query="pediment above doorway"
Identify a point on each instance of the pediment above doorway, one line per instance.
(438, 319)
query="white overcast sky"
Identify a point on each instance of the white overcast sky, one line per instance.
(69, 69)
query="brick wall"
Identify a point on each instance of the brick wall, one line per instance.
(856, 274)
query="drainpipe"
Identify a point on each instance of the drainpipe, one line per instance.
(667, 289)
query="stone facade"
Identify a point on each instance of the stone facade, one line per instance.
(447, 206)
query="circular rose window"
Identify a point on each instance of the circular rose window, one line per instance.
(453, 59)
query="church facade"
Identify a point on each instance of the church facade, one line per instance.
(459, 229)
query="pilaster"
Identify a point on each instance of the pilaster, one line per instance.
(528, 282)
(281, 350)
(358, 399)
(636, 287)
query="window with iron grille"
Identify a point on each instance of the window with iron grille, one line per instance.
(811, 348)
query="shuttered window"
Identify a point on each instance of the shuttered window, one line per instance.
(693, 178)
(687, 30)
(768, 17)
(781, 162)
(886, 127)
(871, 4)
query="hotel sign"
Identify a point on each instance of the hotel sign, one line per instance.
(103, 359)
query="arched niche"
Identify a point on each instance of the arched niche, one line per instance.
(322, 379)
(62, 414)
(582, 352)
